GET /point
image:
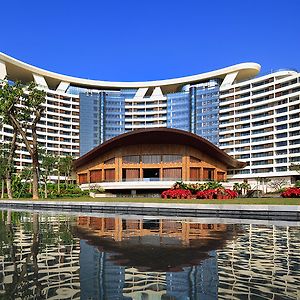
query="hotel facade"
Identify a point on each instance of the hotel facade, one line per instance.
(253, 119)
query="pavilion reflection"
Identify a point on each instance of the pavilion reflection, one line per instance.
(150, 258)
(154, 244)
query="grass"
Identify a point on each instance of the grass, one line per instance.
(254, 201)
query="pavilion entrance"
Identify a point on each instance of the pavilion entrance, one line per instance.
(151, 174)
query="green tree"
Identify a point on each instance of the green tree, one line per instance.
(58, 168)
(245, 187)
(22, 108)
(47, 168)
(237, 187)
(26, 175)
(2, 173)
(241, 188)
(66, 167)
(9, 149)
(7, 154)
(277, 184)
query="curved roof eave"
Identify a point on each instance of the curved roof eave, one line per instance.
(245, 71)
(160, 136)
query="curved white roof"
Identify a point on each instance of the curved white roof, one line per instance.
(18, 70)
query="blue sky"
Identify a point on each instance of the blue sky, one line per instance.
(133, 40)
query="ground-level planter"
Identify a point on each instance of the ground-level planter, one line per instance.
(102, 195)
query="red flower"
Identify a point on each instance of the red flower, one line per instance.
(217, 194)
(178, 193)
(292, 192)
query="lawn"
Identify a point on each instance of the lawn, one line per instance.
(256, 201)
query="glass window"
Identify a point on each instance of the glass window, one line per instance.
(280, 127)
(151, 159)
(131, 159)
(281, 169)
(281, 135)
(281, 160)
(109, 161)
(280, 119)
(280, 144)
(168, 158)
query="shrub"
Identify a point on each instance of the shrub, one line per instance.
(292, 192)
(195, 187)
(98, 190)
(70, 190)
(297, 183)
(231, 193)
(176, 194)
(219, 193)
(207, 194)
(214, 185)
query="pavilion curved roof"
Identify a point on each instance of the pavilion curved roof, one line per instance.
(161, 136)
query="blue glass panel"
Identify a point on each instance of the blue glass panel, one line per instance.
(178, 111)
(91, 120)
(102, 117)
(196, 109)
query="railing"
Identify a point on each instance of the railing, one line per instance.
(147, 179)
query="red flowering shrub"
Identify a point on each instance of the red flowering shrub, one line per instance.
(292, 192)
(207, 194)
(176, 194)
(231, 193)
(217, 194)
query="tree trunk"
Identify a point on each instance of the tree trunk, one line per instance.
(8, 186)
(66, 180)
(46, 190)
(35, 176)
(32, 148)
(58, 183)
(2, 189)
(10, 161)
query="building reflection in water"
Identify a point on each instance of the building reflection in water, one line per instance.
(68, 257)
(149, 259)
(39, 257)
(263, 262)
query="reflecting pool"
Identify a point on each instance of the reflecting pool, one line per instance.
(48, 256)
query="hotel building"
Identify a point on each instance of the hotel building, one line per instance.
(254, 119)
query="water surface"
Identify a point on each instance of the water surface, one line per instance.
(44, 256)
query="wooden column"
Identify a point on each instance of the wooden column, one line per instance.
(185, 168)
(185, 234)
(188, 166)
(88, 176)
(102, 225)
(118, 168)
(118, 229)
(103, 175)
(215, 174)
(160, 227)
(141, 171)
(201, 173)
